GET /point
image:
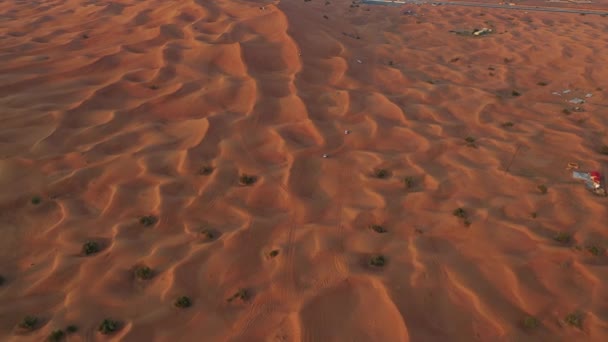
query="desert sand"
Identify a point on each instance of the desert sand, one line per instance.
(126, 127)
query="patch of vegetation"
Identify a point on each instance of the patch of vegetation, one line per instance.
(148, 221)
(381, 173)
(71, 329)
(507, 124)
(108, 326)
(183, 302)
(273, 253)
(563, 237)
(542, 188)
(515, 93)
(28, 323)
(377, 261)
(470, 141)
(247, 179)
(144, 272)
(154, 87)
(90, 247)
(542, 83)
(534, 214)
(206, 170)
(574, 319)
(56, 336)
(459, 212)
(36, 200)
(531, 322)
(604, 150)
(378, 229)
(1, 280)
(595, 250)
(566, 111)
(207, 234)
(241, 294)
(409, 182)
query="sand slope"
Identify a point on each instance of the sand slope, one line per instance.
(114, 110)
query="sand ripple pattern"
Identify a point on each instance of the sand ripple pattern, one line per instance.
(111, 109)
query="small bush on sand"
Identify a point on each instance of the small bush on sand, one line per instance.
(531, 322)
(378, 229)
(470, 141)
(563, 237)
(247, 179)
(144, 272)
(90, 247)
(207, 235)
(595, 250)
(409, 182)
(148, 221)
(542, 188)
(381, 173)
(108, 326)
(206, 170)
(574, 319)
(28, 323)
(183, 302)
(377, 261)
(459, 212)
(241, 294)
(56, 336)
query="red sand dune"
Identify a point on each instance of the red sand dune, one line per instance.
(114, 110)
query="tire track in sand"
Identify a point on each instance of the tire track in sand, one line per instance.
(278, 47)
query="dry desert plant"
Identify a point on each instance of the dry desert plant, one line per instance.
(247, 179)
(183, 302)
(148, 220)
(378, 229)
(108, 326)
(377, 261)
